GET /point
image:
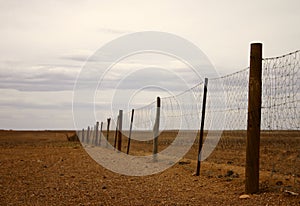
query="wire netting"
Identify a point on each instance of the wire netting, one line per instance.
(226, 114)
(280, 136)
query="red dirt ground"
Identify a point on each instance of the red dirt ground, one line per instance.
(43, 168)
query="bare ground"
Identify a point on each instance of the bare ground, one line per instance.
(43, 168)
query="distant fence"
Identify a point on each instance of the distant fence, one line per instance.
(280, 118)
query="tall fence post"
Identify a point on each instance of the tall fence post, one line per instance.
(88, 135)
(120, 130)
(107, 131)
(254, 119)
(116, 133)
(82, 136)
(94, 135)
(156, 130)
(130, 130)
(92, 128)
(101, 126)
(202, 127)
(97, 133)
(91, 134)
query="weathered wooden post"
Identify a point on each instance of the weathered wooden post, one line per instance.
(107, 131)
(254, 118)
(97, 134)
(202, 127)
(82, 136)
(130, 129)
(88, 135)
(92, 135)
(120, 130)
(101, 126)
(156, 130)
(116, 133)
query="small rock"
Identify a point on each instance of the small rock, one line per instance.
(229, 173)
(42, 195)
(244, 196)
(235, 175)
(291, 193)
(104, 187)
(229, 179)
(279, 183)
(182, 162)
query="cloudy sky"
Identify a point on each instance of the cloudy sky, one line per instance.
(44, 45)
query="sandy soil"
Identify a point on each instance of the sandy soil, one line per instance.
(44, 168)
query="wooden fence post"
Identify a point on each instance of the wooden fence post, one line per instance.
(88, 135)
(202, 127)
(82, 136)
(107, 131)
(101, 126)
(254, 119)
(120, 130)
(97, 133)
(116, 133)
(156, 130)
(92, 135)
(130, 129)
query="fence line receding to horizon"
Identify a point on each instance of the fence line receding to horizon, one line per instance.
(226, 113)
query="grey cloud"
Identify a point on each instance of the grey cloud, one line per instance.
(37, 85)
(45, 78)
(63, 77)
(156, 77)
(80, 58)
(42, 105)
(37, 105)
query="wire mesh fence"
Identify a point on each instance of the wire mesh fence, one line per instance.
(280, 138)
(226, 114)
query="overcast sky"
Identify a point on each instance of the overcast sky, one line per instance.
(44, 44)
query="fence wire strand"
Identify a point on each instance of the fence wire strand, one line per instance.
(227, 108)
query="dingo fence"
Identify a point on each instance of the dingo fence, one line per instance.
(227, 107)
